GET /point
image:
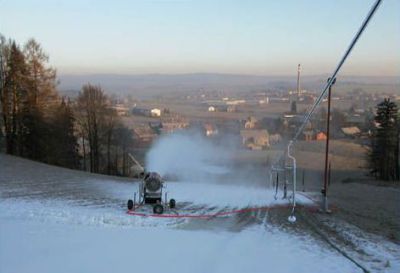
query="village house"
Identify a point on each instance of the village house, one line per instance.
(140, 111)
(149, 112)
(275, 138)
(250, 123)
(155, 112)
(143, 135)
(210, 130)
(211, 109)
(308, 135)
(320, 136)
(255, 139)
(231, 108)
(352, 132)
(222, 108)
(120, 109)
(168, 127)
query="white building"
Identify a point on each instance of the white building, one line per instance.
(121, 110)
(155, 112)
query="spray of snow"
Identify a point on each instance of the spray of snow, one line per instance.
(187, 156)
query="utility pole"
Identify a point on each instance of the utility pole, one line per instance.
(298, 82)
(324, 191)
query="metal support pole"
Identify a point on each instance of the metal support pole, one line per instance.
(285, 188)
(298, 83)
(325, 189)
(292, 217)
(277, 185)
(329, 174)
(134, 201)
(319, 99)
(271, 179)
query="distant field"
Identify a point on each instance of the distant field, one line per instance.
(194, 111)
(368, 88)
(152, 85)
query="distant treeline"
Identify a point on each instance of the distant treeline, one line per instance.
(37, 123)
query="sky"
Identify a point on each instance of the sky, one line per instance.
(264, 37)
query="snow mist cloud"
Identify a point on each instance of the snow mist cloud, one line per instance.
(187, 156)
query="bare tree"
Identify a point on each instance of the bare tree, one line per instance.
(13, 95)
(41, 77)
(3, 53)
(92, 103)
(42, 100)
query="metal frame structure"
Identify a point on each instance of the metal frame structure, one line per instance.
(320, 98)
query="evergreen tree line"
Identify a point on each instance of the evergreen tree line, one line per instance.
(39, 124)
(384, 155)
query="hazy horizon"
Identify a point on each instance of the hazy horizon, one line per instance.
(265, 38)
(272, 75)
(147, 85)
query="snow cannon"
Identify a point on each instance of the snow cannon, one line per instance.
(151, 193)
(151, 188)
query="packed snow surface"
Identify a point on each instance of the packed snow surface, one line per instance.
(32, 246)
(56, 220)
(67, 235)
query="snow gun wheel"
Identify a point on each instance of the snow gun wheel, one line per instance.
(130, 204)
(172, 203)
(158, 209)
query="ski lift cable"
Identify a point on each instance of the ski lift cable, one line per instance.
(336, 71)
(339, 66)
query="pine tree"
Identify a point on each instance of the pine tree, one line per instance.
(109, 126)
(36, 134)
(384, 157)
(123, 141)
(64, 146)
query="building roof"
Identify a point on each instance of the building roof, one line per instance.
(254, 133)
(351, 130)
(144, 132)
(251, 119)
